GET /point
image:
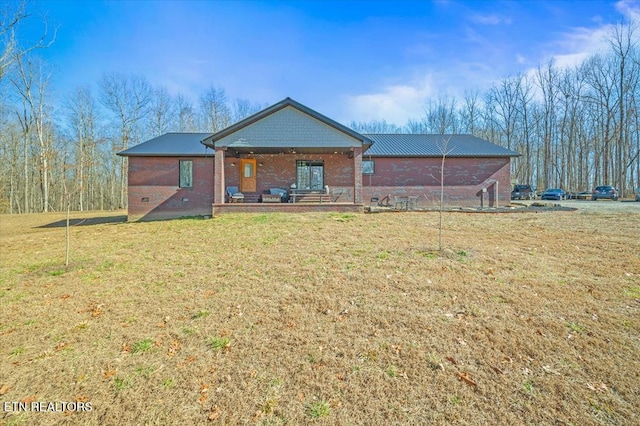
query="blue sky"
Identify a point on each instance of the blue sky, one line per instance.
(350, 60)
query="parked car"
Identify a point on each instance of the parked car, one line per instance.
(638, 193)
(553, 194)
(523, 192)
(604, 191)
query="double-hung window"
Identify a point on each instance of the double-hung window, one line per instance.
(186, 174)
(367, 167)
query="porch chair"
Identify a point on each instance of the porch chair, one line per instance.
(399, 203)
(234, 195)
(279, 191)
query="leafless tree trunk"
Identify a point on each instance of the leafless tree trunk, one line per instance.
(162, 113)
(127, 97)
(444, 151)
(34, 112)
(214, 110)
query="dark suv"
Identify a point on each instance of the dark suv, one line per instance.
(522, 192)
(604, 191)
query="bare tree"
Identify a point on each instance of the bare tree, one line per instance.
(444, 151)
(440, 116)
(186, 114)
(127, 97)
(10, 20)
(82, 119)
(243, 108)
(214, 110)
(31, 83)
(623, 44)
(375, 126)
(162, 112)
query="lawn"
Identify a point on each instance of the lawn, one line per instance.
(322, 318)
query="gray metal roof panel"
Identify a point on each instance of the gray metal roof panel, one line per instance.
(171, 144)
(432, 145)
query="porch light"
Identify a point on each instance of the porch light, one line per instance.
(233, 164)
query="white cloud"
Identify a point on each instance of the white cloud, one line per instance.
(629, 8)
(491, 19)
(583, 42)
(395, 104)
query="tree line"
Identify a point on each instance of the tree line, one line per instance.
(574, 127)
(54, 153)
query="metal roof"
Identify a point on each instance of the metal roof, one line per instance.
(430, 145)
(171, 145)
(286, 124)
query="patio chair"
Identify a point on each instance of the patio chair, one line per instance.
(234, 195)
(412, 202)
(284, 197)
(399, 203)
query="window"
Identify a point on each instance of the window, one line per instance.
(310, 175)
(367, 167)
(186, 173)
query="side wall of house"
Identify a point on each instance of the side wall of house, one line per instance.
(154, 191)
(464, 179)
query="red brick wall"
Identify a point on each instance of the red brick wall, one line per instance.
(279, 171)
(156, 178)
(464, 178)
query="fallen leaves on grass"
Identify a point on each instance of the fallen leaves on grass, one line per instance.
(598, 387)
(215, 413)
(29, 399)
(204, 393)
(4, 389)
(465, 377)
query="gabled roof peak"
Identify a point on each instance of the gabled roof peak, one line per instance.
(286, 102)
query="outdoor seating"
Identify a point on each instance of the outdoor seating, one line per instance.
(234, 195)
(399, 203)
(412, 202)
(284, 197)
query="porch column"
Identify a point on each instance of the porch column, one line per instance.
(218, 176)
(357, 175)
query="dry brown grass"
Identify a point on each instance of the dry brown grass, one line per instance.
(324, 318)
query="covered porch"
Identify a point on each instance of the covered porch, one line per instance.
(312, 179)
(287, 148)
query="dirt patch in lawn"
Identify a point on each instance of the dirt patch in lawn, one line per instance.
(332, 318)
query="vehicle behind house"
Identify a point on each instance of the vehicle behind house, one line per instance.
(553, 194)
(523, 192)
(604, 192)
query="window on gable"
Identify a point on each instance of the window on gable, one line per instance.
(367, 167)
(186, 173)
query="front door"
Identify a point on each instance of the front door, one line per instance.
(248, 175)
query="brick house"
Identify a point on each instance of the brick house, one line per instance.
(321, 164)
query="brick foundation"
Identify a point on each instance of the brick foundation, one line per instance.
(219, 209)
